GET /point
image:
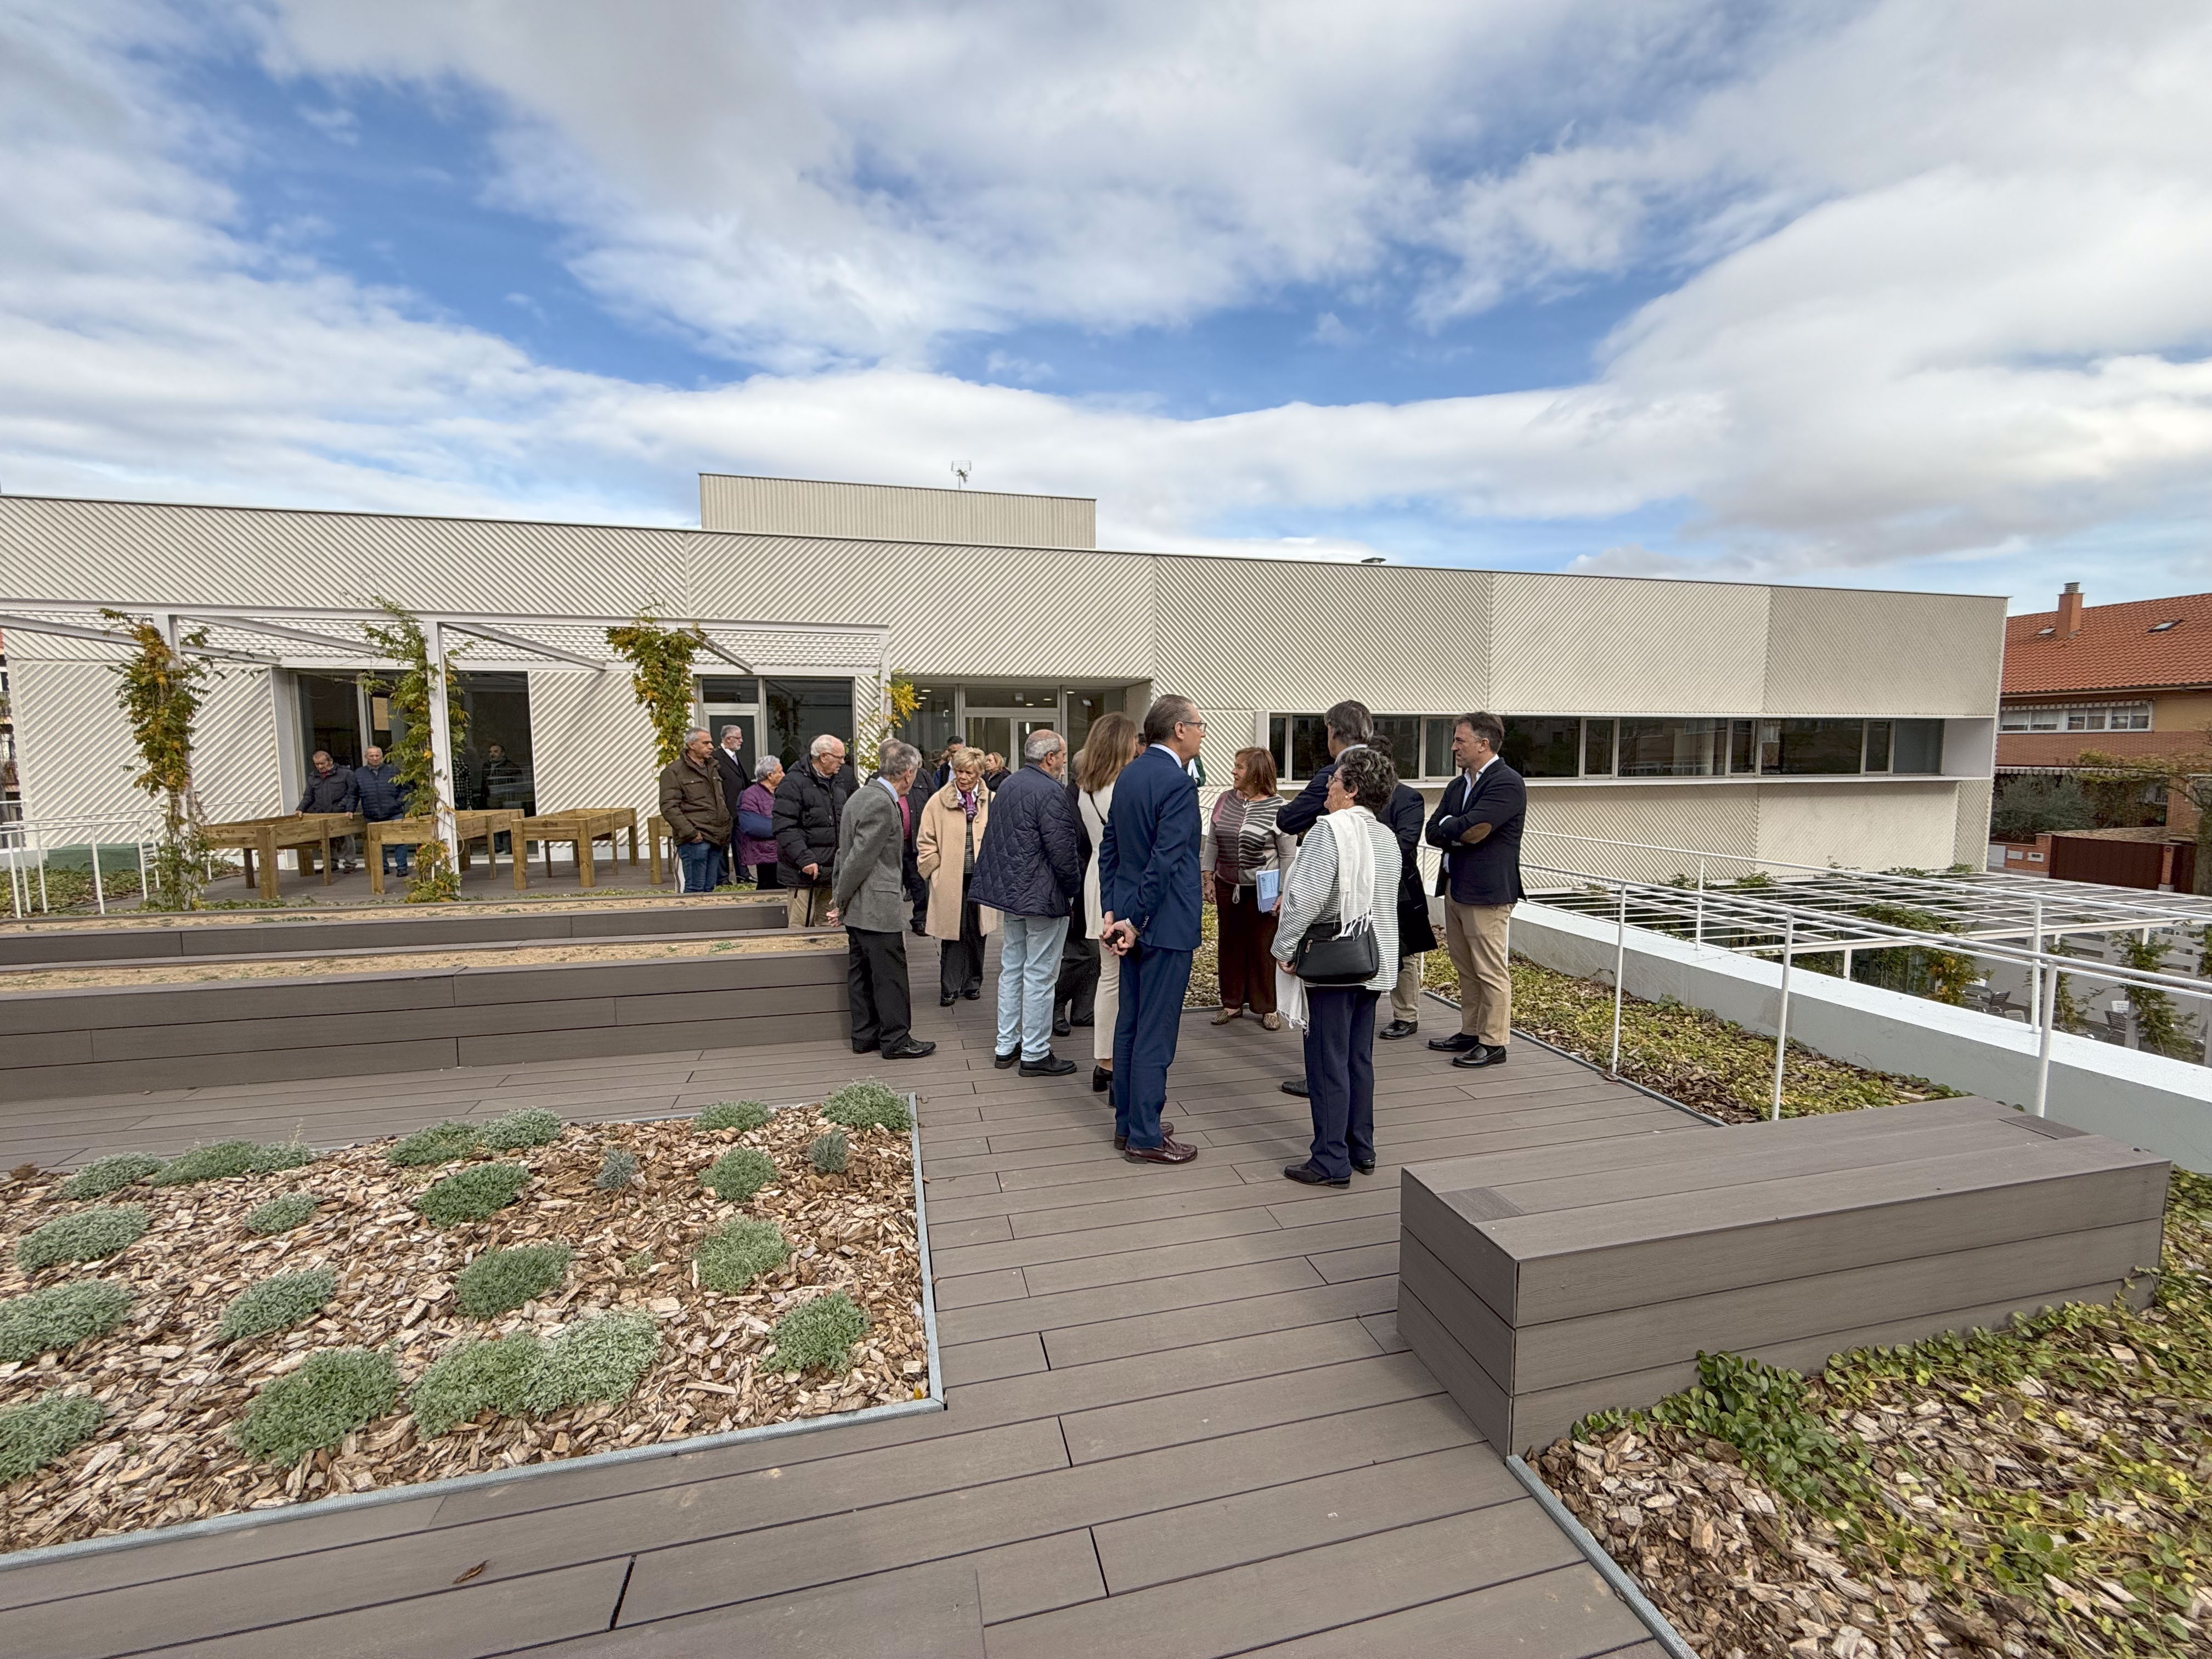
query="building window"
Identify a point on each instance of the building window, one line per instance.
(1918, 747)
(1743, 746)
(496, 767)
(1597, 749)
(1399, 737)
(1299, 744)
(796, 711)
(1671, 749)
(1877, 746)
(1812, 748)
(2081, 717)
(1544, 746)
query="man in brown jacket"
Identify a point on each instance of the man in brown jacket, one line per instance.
(698, 818)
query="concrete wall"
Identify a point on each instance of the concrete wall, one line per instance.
(2161, 1105)
(895, 512)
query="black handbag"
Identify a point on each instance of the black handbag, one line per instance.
(1325, 957)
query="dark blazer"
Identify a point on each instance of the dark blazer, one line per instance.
(1311, 802)
(1489, 872)
(1031, 858)
(1404, 816)
(1148, 857)
(737, 776)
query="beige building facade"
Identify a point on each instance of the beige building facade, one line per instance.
(1801, 725)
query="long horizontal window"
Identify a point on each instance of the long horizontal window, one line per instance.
(2058, 717)
(1634, 746)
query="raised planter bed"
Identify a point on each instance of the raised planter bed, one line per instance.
(50, 944)
(178, 1383)
(122, 1039)
(1541, 1286)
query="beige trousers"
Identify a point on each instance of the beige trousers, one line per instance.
(1475, 934)
(1406, 994)
(1106, 1007)
(808, 907)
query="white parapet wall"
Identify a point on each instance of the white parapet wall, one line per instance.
(2160, 1105)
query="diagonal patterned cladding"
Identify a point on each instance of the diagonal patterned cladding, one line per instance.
(1601, 644)
(73, 750)
(234, 760)
(806, 506)
(1720, 818)
(973, 612)
(1836, 651)
(142, 553)
(1969, 833)
(1402, 639)
(1878, 826)
(592, 745)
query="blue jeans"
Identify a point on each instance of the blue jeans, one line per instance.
(1029, 969)
(701, 862)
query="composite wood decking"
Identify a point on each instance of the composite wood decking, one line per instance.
(1179, 1419)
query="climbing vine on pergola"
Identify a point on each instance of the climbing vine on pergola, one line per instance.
(414, 763)
(160, 692)
(660, 661)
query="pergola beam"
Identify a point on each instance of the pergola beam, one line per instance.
(355, 648)
(479, 630)
(106, 637)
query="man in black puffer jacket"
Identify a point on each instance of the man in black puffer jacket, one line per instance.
(810, 804)
(376, 786)
(1029, 865)
(330, 790)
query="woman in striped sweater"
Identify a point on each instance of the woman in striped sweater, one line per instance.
(1241, 841)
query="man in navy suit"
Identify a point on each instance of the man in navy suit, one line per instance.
(1350, 725)
(1478, 826)
(1148, 899)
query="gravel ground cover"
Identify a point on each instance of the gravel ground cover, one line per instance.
(519, 956)
(2045, 1490)
(598, 1334)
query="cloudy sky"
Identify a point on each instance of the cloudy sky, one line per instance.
(1897, 294)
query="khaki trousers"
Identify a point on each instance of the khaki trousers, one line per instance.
(1406, 994)
(808, 907)
(1475, 934)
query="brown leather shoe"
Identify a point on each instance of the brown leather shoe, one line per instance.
(1167, 1133)
(1223, 1016)
(1170, 1150)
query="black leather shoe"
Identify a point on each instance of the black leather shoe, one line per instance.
(1457, 1044)
(1309, 1175)
(1004, 1060)
(1170, 1150)
(864, 1048)
(1368, 1167)
(1122, 1142)
(1398, 1028)
(1061, 1026)
(1051, 1065)
(910, 1049)
(945, 1000)
(1294, 1086)
(973, 993)
(1480, 1055)
(1101, 1081)
(1084, 1021)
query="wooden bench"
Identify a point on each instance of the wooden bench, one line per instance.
(580, 827)
(1542, 1285)
(306, 833)
(468, 827)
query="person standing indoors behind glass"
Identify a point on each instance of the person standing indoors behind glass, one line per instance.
(1241, 841)
(953, 820)
(1111, 745)
(1348, 870)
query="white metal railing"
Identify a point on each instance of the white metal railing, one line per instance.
(1764, 921)
(26, 845)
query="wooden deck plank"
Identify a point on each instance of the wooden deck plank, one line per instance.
(1566, 1613)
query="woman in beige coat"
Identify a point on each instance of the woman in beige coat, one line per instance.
(950, 834)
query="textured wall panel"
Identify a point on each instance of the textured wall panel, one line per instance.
(1970, 837)
(591, 744)
(1870, 826)
(1585, 645)
(234, 765)
(893, 513)
(1295, 637)
(1716, 818)
(73, 751)
(1834, 651)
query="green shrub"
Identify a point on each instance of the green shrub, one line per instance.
(278, 1303)
(638, 1261)
(316, 1407)
(597, 1358)
(532, 1125)
(616, 1171)
(281, 1215)
(500, 1279)
(737, 1176)
(818, 1335)
(441, 1143)
(472, 1194)
(59, 1316)
(111, 1174)
(740, 1115)
(830, 1152)
(741, 1253)
(495, 1376)
(229, 1158)
(85, 1236)
(51, 1426)
(867, 1105)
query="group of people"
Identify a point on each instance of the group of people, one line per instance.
(1093, 870)
(372, 789)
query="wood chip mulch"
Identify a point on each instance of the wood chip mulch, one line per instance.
(173, 1389)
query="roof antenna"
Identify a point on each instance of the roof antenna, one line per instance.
(961, 469)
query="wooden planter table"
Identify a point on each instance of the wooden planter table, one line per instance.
(483, 826)
(306, 833)
(582, 826)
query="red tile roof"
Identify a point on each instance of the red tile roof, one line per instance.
(2113, 650)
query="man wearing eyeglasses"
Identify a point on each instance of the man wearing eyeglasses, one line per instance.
(1148, 891)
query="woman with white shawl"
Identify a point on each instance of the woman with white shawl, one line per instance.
(1346, 878)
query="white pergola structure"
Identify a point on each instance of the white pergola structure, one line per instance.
(329, 639)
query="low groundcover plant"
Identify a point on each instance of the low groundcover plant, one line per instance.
(59, 1316)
